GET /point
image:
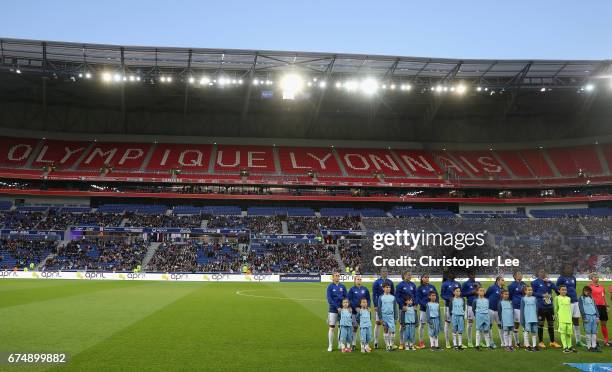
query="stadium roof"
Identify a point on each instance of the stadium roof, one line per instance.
(112, 89)
(72, 58)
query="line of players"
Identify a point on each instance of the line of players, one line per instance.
(520, 305)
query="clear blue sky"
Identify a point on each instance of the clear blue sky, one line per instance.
(544, 29)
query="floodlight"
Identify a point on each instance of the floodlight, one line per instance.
(291, 84)
(369, 86)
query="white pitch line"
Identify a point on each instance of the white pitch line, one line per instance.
(241, 293)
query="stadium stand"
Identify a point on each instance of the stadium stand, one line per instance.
(26, 157)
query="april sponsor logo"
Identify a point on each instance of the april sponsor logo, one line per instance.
(179, 276)
(346, 278)
(135, 276)
(256, 277)
(90, 275)
(215, 277)
(48, 274)
(8, 274)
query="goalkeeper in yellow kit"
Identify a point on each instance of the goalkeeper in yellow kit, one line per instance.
(563, 311)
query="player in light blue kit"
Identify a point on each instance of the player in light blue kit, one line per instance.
(365, 326)
(346, 326)
(457, 313)
(355, 295)
(377, 291)
(590, 318)
(506, 319)
(387, 313)
(529, 318)
(434, 320)
(410, 319)
(404, 289)
(447, 291)
(422, 298)
(483, 320)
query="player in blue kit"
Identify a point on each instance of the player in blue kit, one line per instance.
(469, 291)
(590, 318)
(446, 292)
(457, 312)
(346, 326)
(516, 290)
(483, 319)
(529, 318)
(377, 291)
(336, 292)
(506, 318)
(434, 320)
(410, 319)
(493, 294)
(422, 298)
(365, 325)
(568, 279)
(404, 289)
(387, 313)
(355, 295)
(542, 291)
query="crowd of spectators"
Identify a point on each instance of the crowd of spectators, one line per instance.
(302, 225)
(174, 258)
(21, 220)
(350, 253)
(98, 254)
(61, 220)
(165, 220)
(294, 258)
(21, 252)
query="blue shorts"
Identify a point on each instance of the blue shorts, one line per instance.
(483, 322)
(590, 324)
(434, 327)
(389, 322)
(366, 335)
(410, 333)
(531, 327)
(458, 323)
(346, 334)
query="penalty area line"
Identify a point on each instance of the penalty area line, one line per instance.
(242, 293)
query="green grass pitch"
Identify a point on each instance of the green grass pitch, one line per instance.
(163, 326)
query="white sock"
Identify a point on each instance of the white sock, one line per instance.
(460, 339)
(577, 333)
(421, 332)
(516, 336)
(477, 338)
(534, 340)
(330, 336)
(454, 339)
(501, 338)
(376, 335)
(391, 338)
(386, 338)
(594, 341)
(446, 333)
(526, 338)
(469, 333)
(354, 338)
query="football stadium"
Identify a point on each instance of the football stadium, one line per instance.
(169, 208)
